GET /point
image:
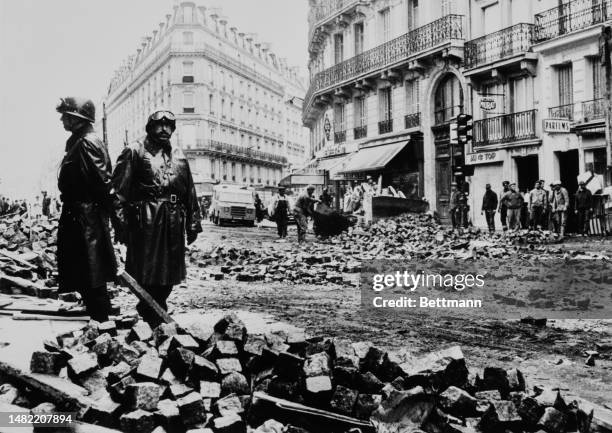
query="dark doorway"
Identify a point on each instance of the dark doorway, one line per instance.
(568, 173)
(527, 171)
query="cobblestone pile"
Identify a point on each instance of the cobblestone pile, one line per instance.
(212, 380)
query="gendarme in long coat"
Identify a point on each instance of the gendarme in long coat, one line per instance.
(161, 205)
(85, 254)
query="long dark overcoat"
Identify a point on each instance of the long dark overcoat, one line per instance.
(85, 253)
(161, 206)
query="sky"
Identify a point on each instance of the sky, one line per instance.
(55, 48)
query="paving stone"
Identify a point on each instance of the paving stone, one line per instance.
(530, 411)
(516, 381)
(168, 416)
(163, 332)
(144, 395)
(179, 390)
(235, 383)
(344, 376)
(440, 369)
(224, 349)
(180, 361)
(317, 365)
(343, 400)
(366, 404)
(318, 389)
(289, 365)
(373, 361)
(255, 344)
(118, 371)
(138, 421)
(46, 362)
(149, 368)
(552, 421)
(500, 416)
(82, 364)
(184, 341)
(8, 393)
(229, 424)
(368, 383)
(228, 405)
(457, 402)
(496, 378)
(343, 353)
(228, 365)
(117, 390)
(210, 389)
(104, 412)
(191, 409)
(108, 327)
(403, 408)
(203, 369)
(141, 331)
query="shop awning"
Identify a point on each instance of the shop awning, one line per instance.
(373, 158)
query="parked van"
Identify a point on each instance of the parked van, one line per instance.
(231, 203)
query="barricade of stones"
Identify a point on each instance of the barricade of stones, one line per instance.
(202, 380)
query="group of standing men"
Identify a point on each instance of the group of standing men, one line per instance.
(149, 198)
(546, 209)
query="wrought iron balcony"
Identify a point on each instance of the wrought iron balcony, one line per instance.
(325, 11)
(499, 45)
(412, 120)
(593, 110)
(570, 17)
(385, 126)
(217, 147)
(360, 132)
(397, 50)
(504, 129)
(339, 136)
(562, 112)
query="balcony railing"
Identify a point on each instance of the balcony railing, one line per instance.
(499, 45)
(562, 112)
(412, 120)
(505, 128)
(593, 110)
(232, 149)
(360, 132)
(325, 11)
(428, 36)
(339, 136)
(385, 126)
(570, 17)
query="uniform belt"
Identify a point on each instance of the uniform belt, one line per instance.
(172, 198)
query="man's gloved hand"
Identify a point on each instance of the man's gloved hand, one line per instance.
(191, 237)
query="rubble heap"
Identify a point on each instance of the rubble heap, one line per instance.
(27, 257)
(404, 237)
(219, 380)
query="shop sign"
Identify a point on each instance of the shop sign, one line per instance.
(487, 104)
(557, 125)
(334, 150)
(307, 179)
(483, 158)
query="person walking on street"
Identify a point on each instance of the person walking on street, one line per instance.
(302, 210)
(259, 208)
(85, 255)
(489, 206)
(156, 189)
(514, 202)
(583, 205)
(454, 206)
(280, 211)
(537, 206)
(503, 206)
(560, 207)
(46, 204)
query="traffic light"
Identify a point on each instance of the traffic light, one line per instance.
(464, 129)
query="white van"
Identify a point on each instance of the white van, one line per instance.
(231, 203)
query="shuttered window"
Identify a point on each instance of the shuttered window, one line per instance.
(339, 119)
(412, 97)
(385, 110)
(565, 84)
(358, 30)
(338, 47)
(361, 118)
(598, 78)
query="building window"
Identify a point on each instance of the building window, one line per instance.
(338, 47)
(413, 14)
(233, 171)
(224, 166)
(187, 38)
(211, 104)
(358, 32)
(412, 97)
(384, 19)
(599, 73)
(187, 14)
(448, 99)
(188, 105)
(243, 172)
(385, 99)
(339, 124)
(447, 7)
(213, 168)
(187, 72)
(211, 74)
(565, 84)
(360, 118)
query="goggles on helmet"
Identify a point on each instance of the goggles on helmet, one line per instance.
(161, 115)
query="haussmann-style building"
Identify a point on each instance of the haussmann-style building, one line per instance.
(387, 78)
(238, 105)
